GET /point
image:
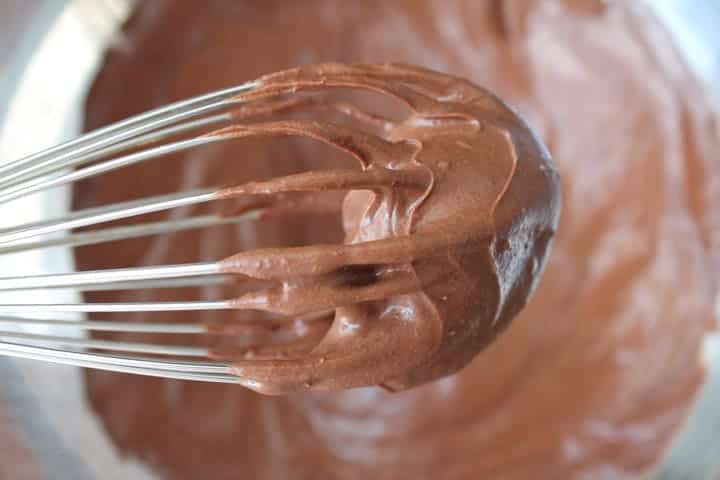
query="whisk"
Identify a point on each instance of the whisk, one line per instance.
(405, 293)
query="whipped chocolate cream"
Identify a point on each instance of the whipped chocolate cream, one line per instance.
(446, 229)
(592, 378)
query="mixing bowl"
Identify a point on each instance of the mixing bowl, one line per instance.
(49, 52)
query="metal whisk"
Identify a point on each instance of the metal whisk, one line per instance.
(453, 119)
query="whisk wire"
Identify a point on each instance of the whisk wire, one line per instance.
(31, 173)
(33, 282)
(132, 231)
(125, 129)
(118, 211)
(176, 369)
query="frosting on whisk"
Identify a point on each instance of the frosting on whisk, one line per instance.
(447, 226)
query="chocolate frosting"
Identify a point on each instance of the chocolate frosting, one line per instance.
(596, 374)
(446, 229)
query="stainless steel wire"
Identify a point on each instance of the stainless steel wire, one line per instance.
(138, 139)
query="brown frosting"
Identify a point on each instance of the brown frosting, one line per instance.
(596, 374)
(446, 230)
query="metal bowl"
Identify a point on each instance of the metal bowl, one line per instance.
(57, 47)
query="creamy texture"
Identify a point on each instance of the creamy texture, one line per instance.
(446, 229)
(591, 380)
